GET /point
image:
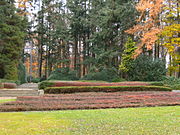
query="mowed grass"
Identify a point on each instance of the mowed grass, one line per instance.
(6, 100)
(127, 121)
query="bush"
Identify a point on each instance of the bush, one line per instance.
(172, 82)
(108, 74)
(63, 74)
(45, 84)
(79, 84)
(9, 85)
(17, 82)
(145, 68)
(22, 73)
(43, 78)
(11, 70)
(175, 87)
(118, 80)
(1, 85)
(160, 83)
(58, 90)
(36, 80)
(29, 79)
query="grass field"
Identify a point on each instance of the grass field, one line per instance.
(127, 121)
(6, 100)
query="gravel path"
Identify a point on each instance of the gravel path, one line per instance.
(26, 86)
(33, 86)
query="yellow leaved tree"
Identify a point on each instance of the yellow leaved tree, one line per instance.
(23, 5)
(171, 34)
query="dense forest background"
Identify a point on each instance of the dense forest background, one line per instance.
(108, 40)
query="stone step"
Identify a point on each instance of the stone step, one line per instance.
(20, 92)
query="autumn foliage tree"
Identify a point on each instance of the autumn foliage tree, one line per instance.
(23, 5)
(147, 27)
(171, 34)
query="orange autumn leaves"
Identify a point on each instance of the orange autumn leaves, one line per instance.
(148, 27)
(23, 5)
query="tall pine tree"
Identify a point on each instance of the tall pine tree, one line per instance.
(12, 36)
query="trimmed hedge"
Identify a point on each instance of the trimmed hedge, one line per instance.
(160, 83)
(9, 85)
(45, 84)
(17, 82)
(36, 80)
(1, 85)
(59, 90)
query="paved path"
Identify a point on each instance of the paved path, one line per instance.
(27, 89)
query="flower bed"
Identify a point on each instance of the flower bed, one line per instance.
(73, 89)
(45, 84)
(92, 100)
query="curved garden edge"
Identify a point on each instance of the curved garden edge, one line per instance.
(75, 89)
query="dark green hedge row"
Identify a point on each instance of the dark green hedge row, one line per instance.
(160, 83)
(58, 90)
(45, 84)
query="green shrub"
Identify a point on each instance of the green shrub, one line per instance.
(11, 71)
(45, 84)
(36, 80)
(175, 87)
(171, 80)
(160, 83)
(74, 89)
(118, 80)
(92, 81)
(43, 78)
(107, 74)
(1, 85)
(29, 79)
(10, 81)
(63, 74)
(145, 68)
(22, 73)
(18, 82)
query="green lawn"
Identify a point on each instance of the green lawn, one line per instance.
(6, 100)
(128, 121)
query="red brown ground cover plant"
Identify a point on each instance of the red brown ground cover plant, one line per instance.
(74, 83)
(92, 100)
(8, 85)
